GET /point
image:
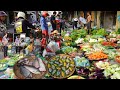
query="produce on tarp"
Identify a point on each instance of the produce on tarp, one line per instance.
(117, 59)
(102, 64)
(109, 44)
(81, 56)
(81, 62)
(68, 49)
(113, 71)
(101, 32)
(75, 34)
(97, 56)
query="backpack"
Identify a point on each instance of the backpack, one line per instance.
(18, 26)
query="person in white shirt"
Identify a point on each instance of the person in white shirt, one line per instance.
(75, 21)
(17, 43)
(82, 21)
(5, 44)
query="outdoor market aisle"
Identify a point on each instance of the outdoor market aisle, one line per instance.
(95, 56)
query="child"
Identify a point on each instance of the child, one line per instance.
(43, 42)
(31, 38)
(17, 43)
(5, 44)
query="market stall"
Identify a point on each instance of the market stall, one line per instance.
(81, 56)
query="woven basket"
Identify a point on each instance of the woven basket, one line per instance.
(20, 76)
(71, 73)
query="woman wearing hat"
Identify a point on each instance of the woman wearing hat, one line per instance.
(57, 37)
(22, 24)
(3, 28)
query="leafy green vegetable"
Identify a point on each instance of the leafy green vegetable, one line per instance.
(75, 34)
(3, 61)
(101, 32)
(113, 71)
(68, 49)
(118, 31)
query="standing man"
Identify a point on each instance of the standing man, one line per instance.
(88, 22)
(61, 22)
(53, 21)
(44, 25)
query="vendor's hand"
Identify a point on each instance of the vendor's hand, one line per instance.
(36, 30)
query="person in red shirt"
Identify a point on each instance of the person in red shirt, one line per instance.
(43, 42)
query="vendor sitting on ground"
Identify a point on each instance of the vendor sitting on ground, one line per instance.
(37, 45)
(29, 48)
(57, 38)
(51, 48)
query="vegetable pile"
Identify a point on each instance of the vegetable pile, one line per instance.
(97, 56)
(68, 49)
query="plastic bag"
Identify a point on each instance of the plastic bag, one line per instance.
(27, 40)
(53, 46)
(47, 53)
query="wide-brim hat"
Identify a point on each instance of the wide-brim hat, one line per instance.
(2, 13)
(55, 32)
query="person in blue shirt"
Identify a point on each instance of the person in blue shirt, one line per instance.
(44, 25)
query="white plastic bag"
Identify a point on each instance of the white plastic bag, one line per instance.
(53, 46)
